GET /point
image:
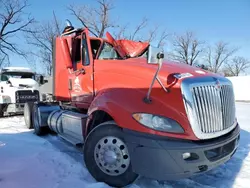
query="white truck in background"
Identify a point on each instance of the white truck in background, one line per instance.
(18, 85)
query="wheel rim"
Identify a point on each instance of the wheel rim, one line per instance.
(111, 156)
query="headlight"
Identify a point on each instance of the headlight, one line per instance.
(158, 123)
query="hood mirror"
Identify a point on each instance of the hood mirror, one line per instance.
(155, 56)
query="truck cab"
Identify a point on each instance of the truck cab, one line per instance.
(18, 86)
(135, 113)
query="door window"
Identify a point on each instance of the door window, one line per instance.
(76, 53)
(85, 53)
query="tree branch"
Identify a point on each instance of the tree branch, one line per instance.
(219, 56)
(12, 22)
(237, 66)
(96, 19)
(187, 48)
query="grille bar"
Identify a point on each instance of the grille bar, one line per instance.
(23, 96)
(214, 107)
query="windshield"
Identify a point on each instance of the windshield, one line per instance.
(5, 76)
(108, 52)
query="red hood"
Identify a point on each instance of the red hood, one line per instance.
(127, 48)
(176, 67)
(168, 68)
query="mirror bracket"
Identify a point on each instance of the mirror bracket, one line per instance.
(159, 57)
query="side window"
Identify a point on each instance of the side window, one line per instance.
(4, 77)
(108, 52)
(95, 45)
(78, 50)
(85, 53)
(76, 53)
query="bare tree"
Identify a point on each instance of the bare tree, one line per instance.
(124, 32)
(2, 61)
(142, 33)
(236, 66)
(138, 28)
(186, 48)
(97, 19)
(156, 34)
(41, 38)
(162, 39)
(218, 56)
(13, 20)
(120, 33)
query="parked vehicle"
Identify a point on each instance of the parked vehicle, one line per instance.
(17, 86)
(135, 113)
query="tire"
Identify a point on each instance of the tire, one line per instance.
(115, 168)
(1, 111)
(28, 107)
(38, 130)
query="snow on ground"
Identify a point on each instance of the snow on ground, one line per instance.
(29, 161)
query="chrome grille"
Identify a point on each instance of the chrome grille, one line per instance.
(23, 96)
(214, 107)
(210, 105)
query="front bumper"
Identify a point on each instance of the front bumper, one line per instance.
(161, 158)
(15, 108)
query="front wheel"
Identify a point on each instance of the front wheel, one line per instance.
(106, 156)
(28, 107)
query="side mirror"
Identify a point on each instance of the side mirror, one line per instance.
(41, 79)
(154, 55)
(8, 82)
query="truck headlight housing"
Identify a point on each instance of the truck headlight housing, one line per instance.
(158, 123)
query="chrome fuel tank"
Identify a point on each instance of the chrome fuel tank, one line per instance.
(68, 124)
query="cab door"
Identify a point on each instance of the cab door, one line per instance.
(81, 79)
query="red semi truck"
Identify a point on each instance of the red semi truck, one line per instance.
(134, 113)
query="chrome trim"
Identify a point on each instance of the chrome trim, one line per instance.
(210, 105)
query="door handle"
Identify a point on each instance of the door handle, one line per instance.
(70, 84)
(80, 71)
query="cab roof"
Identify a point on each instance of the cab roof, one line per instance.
(17, 69)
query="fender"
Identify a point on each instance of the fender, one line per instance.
(121, 108)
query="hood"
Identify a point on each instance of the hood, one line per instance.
(127, 48)
(23, 82)
(168, 70)
(184, 69)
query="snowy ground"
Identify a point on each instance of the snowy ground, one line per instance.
(29, 161)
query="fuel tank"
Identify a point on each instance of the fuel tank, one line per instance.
(55, 121)
(68, 124)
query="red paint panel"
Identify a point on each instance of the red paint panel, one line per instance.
(116, 45)
(65, 53)
(121, 86)
(61, 82)
(133, 48)
(127, 47)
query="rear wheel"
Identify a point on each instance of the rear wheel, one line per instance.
(28, 107)
(106, 156)
(36, 121)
